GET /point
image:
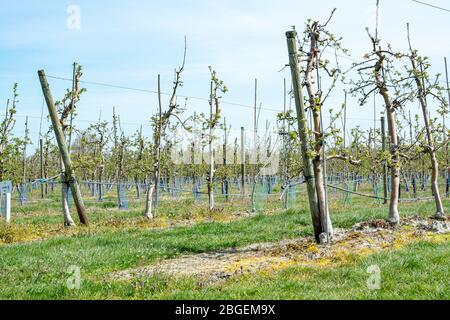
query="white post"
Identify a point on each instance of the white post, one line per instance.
(8, 208)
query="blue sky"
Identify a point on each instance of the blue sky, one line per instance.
(129, 43)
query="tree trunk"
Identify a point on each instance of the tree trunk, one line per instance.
(319, 171)
(394, 215)
(138, 188)
(211, 153)
(255, 184)
(440, 212)
(211, 178)
(119, 201)
(148, 203)
(68, 221)
(100, 183)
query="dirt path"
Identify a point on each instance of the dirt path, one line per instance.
(364, 239)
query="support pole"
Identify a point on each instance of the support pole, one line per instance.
(24, 165)
(243, 161)
(303, 132)
(62, 145)
(24, 156)
(211, 152)
(447, 187)
(225, 161)
(41, 158)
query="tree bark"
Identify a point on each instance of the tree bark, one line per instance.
(148, 202)
(68, 221)
(394, 215)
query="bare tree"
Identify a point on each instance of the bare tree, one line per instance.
(424, 88)
(66, 108)
(378, 74)
(6, 128)
(316, 40)
(217, 88)
(100, 134)
(160, 123)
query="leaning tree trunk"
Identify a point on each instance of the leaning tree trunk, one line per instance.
(63, 149)
(308, 169)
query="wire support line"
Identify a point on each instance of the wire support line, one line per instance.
(431, 5)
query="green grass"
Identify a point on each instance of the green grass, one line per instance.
(37, 270)
(419, 271)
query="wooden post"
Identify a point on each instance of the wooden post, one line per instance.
(243, 161)
(285, 134)
(374, 121)
(193, 163)
(211, 153)
(62, 145)
(303, 132)
(24, 165)
(158, 158)
(41, 157)
(255, 131)
(447, 188)
(24, 158)
(385, 171)
(225, 161)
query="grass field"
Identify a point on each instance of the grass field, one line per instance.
(37, 253)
